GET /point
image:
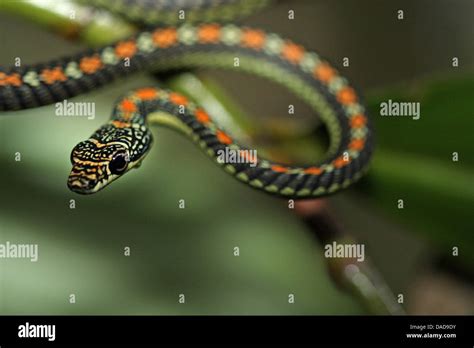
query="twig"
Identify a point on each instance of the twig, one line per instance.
(361, 278)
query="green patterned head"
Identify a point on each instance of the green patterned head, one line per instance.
(107, 155)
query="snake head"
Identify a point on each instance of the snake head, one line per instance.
(110, 152)
(95, 165)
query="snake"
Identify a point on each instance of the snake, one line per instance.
(125, 139)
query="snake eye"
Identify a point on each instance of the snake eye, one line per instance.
(119, 163)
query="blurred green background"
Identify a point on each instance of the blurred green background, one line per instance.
(190, 251)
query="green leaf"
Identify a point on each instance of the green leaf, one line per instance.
(414, 162)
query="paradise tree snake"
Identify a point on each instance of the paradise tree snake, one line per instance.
(123, 142)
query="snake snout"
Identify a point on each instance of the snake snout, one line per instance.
(80, 184)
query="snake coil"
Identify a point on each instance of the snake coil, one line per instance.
(123, 142)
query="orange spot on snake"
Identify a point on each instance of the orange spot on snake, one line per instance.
(209, 33)
(90, 65)
(223, 137)
(292, 52)
(358, 121)
(50, 76)
(253, 38)
(324, 72)
(126, 49)
(202, 116)
(357, 144)
(279, 169)
(340, 162)
(346, 96)
(146, 93)
(178, 99)
(128, 106)
(313, 170)
(13, 79)
(165, 37)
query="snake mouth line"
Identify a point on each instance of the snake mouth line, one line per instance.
(80, 184)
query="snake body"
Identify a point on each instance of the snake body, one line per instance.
(123, 142)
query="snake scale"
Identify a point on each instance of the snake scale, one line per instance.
(122, 143)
